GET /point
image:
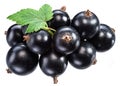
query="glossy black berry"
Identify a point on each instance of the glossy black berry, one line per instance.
(39, 42)
(86, 23)
(53, 63)
(66, 40)
(21, 60)
(14, 35)
(83, 57)
(60, 18)
(24, 28)
(104, 39)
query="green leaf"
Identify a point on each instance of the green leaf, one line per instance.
(33, 27)
(35, 19)
(25, 16)
(46, 12)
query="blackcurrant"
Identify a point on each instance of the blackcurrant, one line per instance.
(39, 42)
(53, 63)
(86, 23)
(14, 35)
(104, 39)
(60, 18)
(83, 57)
(21, 60)
(24, 28)
(66, 40)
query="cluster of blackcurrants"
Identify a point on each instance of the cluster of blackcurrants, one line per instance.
(75, 41)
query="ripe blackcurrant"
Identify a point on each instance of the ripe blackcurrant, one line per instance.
(83, 57)
(66, 40)
(86, 23)
(14, 35)
(21, 60)
(53, 64)
(39, 42)
(104, 39)
(60, 18)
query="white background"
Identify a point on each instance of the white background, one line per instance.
(105, 73)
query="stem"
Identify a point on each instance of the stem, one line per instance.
(50, 30)
(63, 8)
(8, 71)
(55, 80)
(88, 13)
(113, 30)
(26, 38)
(95, 61)
(5, 32)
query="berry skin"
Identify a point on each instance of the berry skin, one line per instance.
(66, 40)
(14, 35)
(60, 18)
(39, 42)
(21, 60)
(24, 28)
(104, 39)
(53, 63)
(86, 23)
(83, 57)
